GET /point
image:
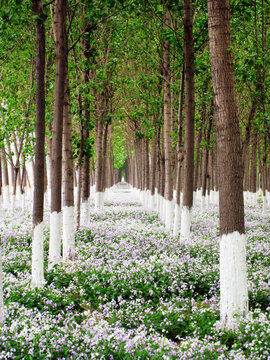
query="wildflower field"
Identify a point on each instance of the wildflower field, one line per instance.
(133, 291)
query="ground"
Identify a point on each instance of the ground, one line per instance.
(133, 291)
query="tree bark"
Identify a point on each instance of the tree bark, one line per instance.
(245, 146)
(56, 170)
(189, 120)
(86, 117)
(233, 275)
(253, 163)
(68, 180)
(167, 130)
(38, 201)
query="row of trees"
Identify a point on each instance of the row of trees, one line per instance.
(128, 85)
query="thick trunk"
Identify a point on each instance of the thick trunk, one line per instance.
(38, 202)
(56, 170)
(233, 275)
(189, 119)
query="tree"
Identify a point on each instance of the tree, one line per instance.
(38, 201)
(167, 130)
(233, 274)
(2, 315)
(68, 178)
(56, 156)
(189, 120)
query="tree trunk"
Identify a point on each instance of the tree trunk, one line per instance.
(5, 179)
(245, 146)
(167, 131)
(153, 172)
(197, 159)
(86, 121)
(253, 167)
(38, 201)
(56, 170)
(205, 161)
(233, 275)
(177, 210)
(99, 201)
(68, 180)
(189, 120)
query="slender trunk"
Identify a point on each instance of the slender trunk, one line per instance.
(206, 157)
(86, 118)
(5, 179)
(56, 170)
(197, 159)
(245, 146)
(104, 155)
(189, 120)
(253, 163)
(168, 131)
(180, 158)
(2, 314)
(99, 176)
(233, 274)
(153, 169)
(38, 202)
(68, 181)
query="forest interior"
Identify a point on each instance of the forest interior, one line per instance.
(135, 179)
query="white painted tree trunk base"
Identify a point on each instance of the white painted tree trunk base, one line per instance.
(163, 210)
(141, 196)
(55, 238)
(169, 205)
(148, 199)
(99, 200)
(2, 308)
(152, 202)
(157, 199)
(68, 232)
(268, 198)
(23, 202)
(186, 214)
(208, 201)
(216, 197)
(203, 202)
(47, 198)
(264, 204)
(159, 205)
(38, 256)
(177, 219)
(194, 198)
(13, 202)
(174, 195)
(233, 277)
(6, 196)
(84, 211)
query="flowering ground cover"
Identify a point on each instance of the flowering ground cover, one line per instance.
(133, 291)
